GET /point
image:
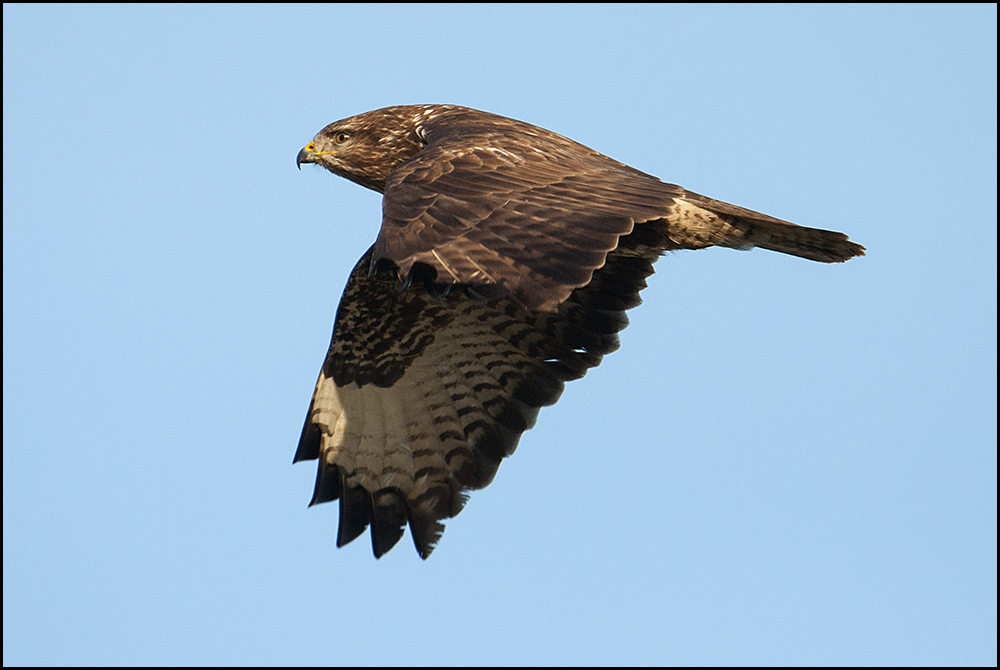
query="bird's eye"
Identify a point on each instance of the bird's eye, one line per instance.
(341, 137)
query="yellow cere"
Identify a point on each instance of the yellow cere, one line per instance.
(311, 148)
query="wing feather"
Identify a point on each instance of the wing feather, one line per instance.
(421, 398)
(513, 210)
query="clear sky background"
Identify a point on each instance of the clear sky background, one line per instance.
(786, 462)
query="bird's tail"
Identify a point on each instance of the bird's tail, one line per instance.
(697, 222)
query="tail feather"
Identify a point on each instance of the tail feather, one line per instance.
(825, 246)
(696, 222)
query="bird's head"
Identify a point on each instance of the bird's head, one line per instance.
(366, 148)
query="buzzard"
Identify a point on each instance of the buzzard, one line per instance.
(507, 258)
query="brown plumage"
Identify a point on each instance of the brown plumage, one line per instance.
(506, 260)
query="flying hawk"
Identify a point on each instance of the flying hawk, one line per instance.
(507, 258)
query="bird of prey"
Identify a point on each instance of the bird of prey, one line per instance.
(506, 260)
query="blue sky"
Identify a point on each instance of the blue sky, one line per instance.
(785, 463)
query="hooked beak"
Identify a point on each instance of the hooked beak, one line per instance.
(305, 156)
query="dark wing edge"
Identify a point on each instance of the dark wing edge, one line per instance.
(421, 397)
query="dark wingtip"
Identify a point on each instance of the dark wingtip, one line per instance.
(309, 439)
(355, 513)
(388, 520)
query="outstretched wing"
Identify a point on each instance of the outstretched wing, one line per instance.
(421, 397)
(494, 201)
(534, 214)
